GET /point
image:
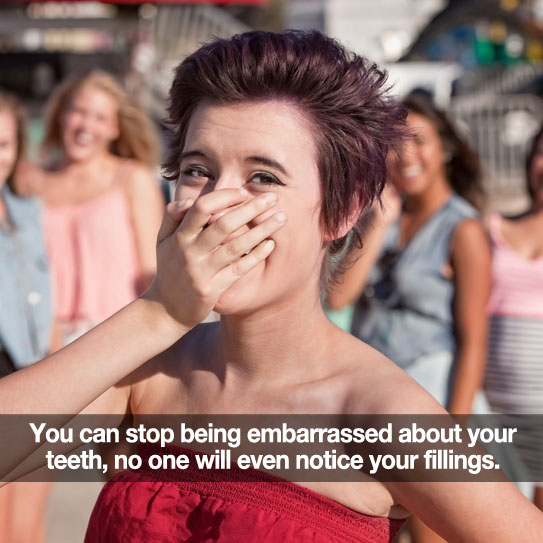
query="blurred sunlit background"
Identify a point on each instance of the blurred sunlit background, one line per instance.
(482, 60)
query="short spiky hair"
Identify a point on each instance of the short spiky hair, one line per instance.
(343, 95)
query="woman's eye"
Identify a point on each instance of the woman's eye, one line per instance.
(196, 172)
(418, 139)
(262, 178)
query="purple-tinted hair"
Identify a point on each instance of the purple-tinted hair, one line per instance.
(355, 123)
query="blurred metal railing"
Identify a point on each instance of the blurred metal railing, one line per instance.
(500, 127)
(511, 79)
(175, 32)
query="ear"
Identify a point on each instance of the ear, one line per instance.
(346, 225)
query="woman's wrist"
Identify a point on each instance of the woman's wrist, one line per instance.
(159, 320)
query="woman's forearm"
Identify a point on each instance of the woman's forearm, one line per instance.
(468, 378)
(66, 382)
(70, 379)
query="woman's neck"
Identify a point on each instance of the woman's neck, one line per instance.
(427, 202)
(92, 165)
(276, 343)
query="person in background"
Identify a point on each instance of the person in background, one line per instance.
(103, 205)
(422, 280)
(514, 374)
(273, 168)
(25, 308)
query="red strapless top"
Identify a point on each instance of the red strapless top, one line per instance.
(151, 507)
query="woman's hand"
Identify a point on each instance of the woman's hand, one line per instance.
(198, 260)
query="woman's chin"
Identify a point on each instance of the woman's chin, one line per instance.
(241, 298)
(233, 301)
(77, 154)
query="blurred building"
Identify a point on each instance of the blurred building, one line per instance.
(43, 42)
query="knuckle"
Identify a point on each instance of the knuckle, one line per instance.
(180, 240)
(223, 225)
(201, 207)
(238, 268)
(235, 247)
(203, 291)
(192, 271)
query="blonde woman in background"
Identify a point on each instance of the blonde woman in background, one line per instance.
(103, 205)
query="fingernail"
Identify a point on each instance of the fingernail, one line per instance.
(280, 217)
(269, 244)
(183, 203)
(270, 197)
(244, 192)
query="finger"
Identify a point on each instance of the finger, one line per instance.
(244, 243)
(229, 275)
(175, 211)
(232, 221)
(208, 204)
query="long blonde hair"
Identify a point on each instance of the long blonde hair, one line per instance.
(137, 135)
(10, 104)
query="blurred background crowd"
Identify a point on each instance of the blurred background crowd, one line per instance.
(452, 263)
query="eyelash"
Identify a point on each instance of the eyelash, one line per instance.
(191, 169)
(268, 179)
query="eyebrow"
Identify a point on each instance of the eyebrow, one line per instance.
(254, 158)
(267, 162)
(195, 153)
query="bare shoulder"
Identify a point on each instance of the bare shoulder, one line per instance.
(470, 243)
(31, 180)
(376, 385)
(138, 176)
(469, 231)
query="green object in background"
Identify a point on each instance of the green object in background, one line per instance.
(341, 318)
(35, 137)
(484, 50)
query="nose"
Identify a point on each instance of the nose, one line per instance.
(224, 181)
(85, 123)
(228, 178)
(228, 181)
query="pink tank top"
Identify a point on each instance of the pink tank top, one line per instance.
(93, 255)
(517, 282)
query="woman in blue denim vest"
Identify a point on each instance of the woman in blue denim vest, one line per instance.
(25, 307)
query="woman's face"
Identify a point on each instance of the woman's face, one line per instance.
(89, 124)
(8, 144)
(536, 174)
(263, 147)
(422, 160)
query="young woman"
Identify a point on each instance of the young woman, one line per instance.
(102, 202)
(25, 307)
(514, 376)
(424, 303)
(281, 142)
